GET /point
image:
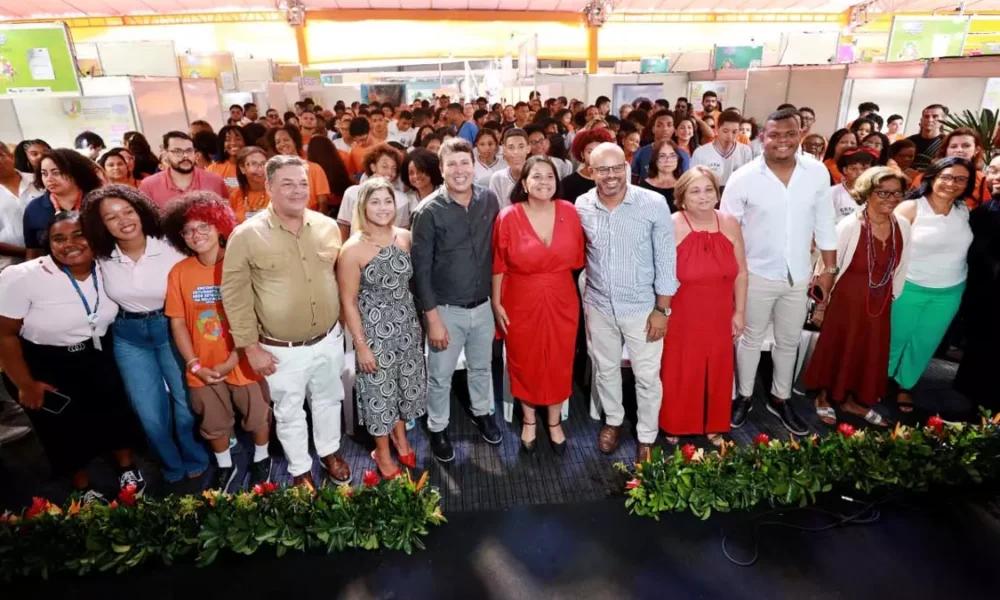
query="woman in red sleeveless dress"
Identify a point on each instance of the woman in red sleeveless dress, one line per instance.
(707, 313)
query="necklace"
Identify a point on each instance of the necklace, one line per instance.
(880, 287)
(250, 204)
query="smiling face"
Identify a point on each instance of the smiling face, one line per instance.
(116, 168)
(541, 181)
(515, 151)
(993, 175)
(283, 143)
(67, 244)
(200, 236)
(685, 131)
(814, 145)
(700, 196)
(121, 219)
(951, 182)
(874, 143)
(458, 171)
(385, 167)
(537, 143)
(418, 179)
(631, 142)
(380, 210)
(609, 169)
(781, 138)
(253, 169)
(289, 190)
(54, 180)
(845, 143)
(234, 143)
(893, 192)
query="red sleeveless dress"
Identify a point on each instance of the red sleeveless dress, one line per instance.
(698, 352)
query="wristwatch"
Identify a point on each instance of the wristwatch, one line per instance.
(831, 271)
(663, 311)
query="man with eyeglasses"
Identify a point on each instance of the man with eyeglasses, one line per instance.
(631, 277)
(181, 175)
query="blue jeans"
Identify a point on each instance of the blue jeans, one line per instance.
(147, 359)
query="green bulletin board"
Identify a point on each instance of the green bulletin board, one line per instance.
(36, 59)
(916, 38)
(738, 57)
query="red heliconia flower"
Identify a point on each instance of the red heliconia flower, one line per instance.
(370, 479)
(631, 485)
(258, 489)
(761, 440)
(936, 423)
(38, 506)
(845, 429)
(687, 451)
(270, 486)
(127, 494)
(114, 504)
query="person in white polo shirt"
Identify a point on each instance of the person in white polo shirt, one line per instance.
(724, 155)
(782, 202)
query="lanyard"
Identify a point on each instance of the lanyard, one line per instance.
(91, 315)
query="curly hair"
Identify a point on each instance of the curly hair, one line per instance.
(292, 131)
(871, 179)
(21, 162)
(207, 207)
(376, 152)
(96, 232)
(77, 167)
(587, 137)
(220, 155)
(426, 162)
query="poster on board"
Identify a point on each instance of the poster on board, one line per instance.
(36, 59)
(697, 89)
(215, 65)
(654, 65)
(916, 38)
(738, 57)
(628, 93)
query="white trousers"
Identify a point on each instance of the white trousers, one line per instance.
(607, 333)
(312, 372)
(786, 306)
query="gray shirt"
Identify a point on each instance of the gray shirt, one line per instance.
(452, 248)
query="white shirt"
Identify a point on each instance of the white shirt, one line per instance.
(939, 245)
(12, 215)
(779, 223)
(723, 166)
(42, 295)
(341, 144)
(345, 216)
(404, 137)
(502, 184)
(564, 168)
(483, 172)
(141, 286)
(844, 204)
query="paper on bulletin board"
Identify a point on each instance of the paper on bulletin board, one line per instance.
(916, 38)
(214, 65)
(60, 120)
(36, 59)
(738, 57)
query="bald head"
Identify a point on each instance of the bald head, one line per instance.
(607, 163)
(607, 150)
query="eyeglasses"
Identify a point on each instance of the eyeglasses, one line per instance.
(202, 228)
(255, 165)
(885, 195)
(179, 153)
(960, 179)
(618, 169)
(537, 142)
(667, 157)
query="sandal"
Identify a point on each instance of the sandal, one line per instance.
(559, 448)
(875, 419)
(392, 475)
(827, 414)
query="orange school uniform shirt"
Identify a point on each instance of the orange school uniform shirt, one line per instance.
(249, 205)
(318, 185)
(227, 171)
(835, 173)
(194, 294)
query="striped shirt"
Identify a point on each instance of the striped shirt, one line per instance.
(631, 255)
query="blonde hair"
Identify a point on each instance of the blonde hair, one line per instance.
(871, 179)
(359, 221)
(685, 181)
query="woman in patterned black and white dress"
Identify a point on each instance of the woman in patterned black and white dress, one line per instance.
(374, 273)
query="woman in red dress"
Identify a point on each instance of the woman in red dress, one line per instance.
(707, 312)
(537, 242)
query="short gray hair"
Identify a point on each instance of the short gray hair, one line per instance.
(282, 160)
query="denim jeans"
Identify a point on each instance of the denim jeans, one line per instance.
(150, 366)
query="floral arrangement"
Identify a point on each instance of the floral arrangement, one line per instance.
(794, 472)
(83, 538)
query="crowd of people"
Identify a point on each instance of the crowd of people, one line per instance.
(163, 296)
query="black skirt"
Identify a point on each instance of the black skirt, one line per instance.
(98, 418)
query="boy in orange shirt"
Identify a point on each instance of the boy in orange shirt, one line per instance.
(220, 379)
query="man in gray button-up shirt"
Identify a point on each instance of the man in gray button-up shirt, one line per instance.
(452, 254)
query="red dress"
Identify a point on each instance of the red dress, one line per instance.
(698, 353)
(539, 296)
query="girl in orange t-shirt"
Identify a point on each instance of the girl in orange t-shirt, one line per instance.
(221, 379)
(841, 141)
(251, 196)
(231, 141)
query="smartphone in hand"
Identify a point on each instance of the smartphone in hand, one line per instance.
(55, 402)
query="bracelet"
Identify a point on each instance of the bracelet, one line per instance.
(188, 363)
(196, 368)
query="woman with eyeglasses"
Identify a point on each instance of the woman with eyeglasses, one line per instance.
(250, 197)
(664, 171)
(848, 366)
(936, 276)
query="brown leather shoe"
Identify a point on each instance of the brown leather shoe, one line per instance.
(304, 480)
(607, 440)
(644, 453)
(337, 468)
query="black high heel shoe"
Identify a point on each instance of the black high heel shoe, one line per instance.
(559, 448)
(529, 447)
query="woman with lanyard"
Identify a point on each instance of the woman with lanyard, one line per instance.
(66, 176)
(250, 197)
(55, 349)
(122, 226)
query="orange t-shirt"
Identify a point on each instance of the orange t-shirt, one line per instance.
(246, 207)
(194, 294)
(835, 173)
(227, 171)
(318, 185)
(356, 161)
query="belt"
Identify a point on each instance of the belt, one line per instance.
(472, 304)
(310, 342)
(127, 314)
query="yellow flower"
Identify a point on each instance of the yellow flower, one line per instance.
(53, 509)
(791, 440)
(211, 496)
(896, 430)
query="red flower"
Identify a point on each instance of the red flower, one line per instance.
(845, 429)
(127, 494)
(114, 504)
(761, 440)
(631, 485)
(265, 488)
(370, 479)
(270, 486)
(687, 451)
(38, 506)
(258, 489)
(936, 423)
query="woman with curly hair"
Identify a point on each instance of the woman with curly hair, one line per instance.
(251, 196)
(581, 181)
(420, 173)
(222, 381)
(287, 140)
(381, 160)
(230, 141)
(66, 176)
(122, 227)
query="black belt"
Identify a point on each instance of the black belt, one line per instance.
(472, 304)
(126, 314)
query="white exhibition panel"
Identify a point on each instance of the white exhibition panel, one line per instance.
(241, 98)
(152, 58)
(160, 106)
(819, 88)
(891, 95)
(766, 90)
(59, 120)
(276, 97)
(732, 94)
(692, 61)
(10, 128)
(292, 93)
(815, 48)
(106, 86)
(328, 95)
(202, 101)
(253, 69)
(671, 85)
(957, 93)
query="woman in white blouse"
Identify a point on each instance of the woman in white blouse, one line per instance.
(123, 228)
(57, 360)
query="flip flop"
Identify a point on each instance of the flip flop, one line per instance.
(716, 439)
(827, 414)
(875, 419)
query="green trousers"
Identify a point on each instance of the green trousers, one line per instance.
(920, 318)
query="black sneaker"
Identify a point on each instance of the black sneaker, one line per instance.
(488, 428)
(224, 477)
(132, 475)
(742, 406)
(785, 412)
(441, 447)
(260, 472)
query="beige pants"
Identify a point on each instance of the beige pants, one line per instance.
(784, 305)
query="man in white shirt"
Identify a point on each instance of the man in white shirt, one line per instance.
(724, 155)
(403, 130)
(782, 202)
(515, 152)
(16, 190)
(344, 128)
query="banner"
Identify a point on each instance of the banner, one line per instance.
(311, 78)
(36, 60)
(215, 65)
(916, 38)
(654, 65)
(738, 57)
